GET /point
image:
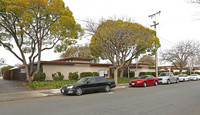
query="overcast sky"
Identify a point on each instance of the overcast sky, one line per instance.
(177, 20)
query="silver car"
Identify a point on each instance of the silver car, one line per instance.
(194, 77)
(167, 78)
(183, 77)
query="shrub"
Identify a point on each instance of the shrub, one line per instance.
(132, 74)
(73, 76)
(197, 73)
(148, 73)
(176, 73)
(142, 73)
(5, 68)
(86, 74)
(57, 76)
(188, 73)
(95, 73)
(40, 76)
(56, 84)
(123, 79)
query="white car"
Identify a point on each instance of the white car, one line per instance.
(194, 77)
(167, 78)
(183, 77)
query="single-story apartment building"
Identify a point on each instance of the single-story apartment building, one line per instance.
(76, 64)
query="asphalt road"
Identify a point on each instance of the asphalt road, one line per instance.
(174, 99)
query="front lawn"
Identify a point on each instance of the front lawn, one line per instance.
(54, 84)
(59, 84)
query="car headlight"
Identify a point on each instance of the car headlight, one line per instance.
(69, 87)
(139, 81)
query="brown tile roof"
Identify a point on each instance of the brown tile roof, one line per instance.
(72, 63)
(75, 58)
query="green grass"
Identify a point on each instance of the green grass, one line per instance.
(59, 84)
(56, 84)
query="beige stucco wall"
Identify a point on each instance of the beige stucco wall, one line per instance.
(176, 70)
(138, 70)
(65, 69)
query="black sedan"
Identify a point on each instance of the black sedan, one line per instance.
(88, 84)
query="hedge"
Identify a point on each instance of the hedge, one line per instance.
(149, 73)
(57, 76)
(95, 73)
(132, 74)
(73, 76)
(86, 74)
(56, 84)
(40, 76)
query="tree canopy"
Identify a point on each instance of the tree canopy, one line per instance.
(121, 41)
(35, 26)
(147, 59)
(180, 54)
(79, 51)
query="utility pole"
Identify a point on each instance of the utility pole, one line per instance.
(156, 55)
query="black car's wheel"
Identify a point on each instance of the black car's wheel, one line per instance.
(144, 84)
(78, 91)
(168, 81)
(107, 88)
(156, 83)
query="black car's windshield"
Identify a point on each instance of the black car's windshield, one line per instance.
(82, 80)
(164, 74)
(142, 77)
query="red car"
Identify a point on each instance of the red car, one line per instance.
(144, 81)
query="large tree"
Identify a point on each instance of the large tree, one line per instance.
(35, 26)
(79, 51)
(147, 59)
(120, 42)
(180, 53)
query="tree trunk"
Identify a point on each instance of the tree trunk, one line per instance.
(181, 69)
(28, 77)
(121, 72)
(115, 76)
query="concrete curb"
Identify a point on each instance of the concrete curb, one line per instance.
(38, 94)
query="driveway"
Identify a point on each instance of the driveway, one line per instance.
(7, 86)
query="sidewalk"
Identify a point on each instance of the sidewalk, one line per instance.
(38, 93)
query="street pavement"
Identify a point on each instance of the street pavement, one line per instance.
(175, 99)
(14, 90)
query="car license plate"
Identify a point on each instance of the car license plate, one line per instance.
(133, 83)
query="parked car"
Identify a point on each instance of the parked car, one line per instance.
(144, 81)
(167, 78)
(183, 77)
(88, 84)
(194, 77)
